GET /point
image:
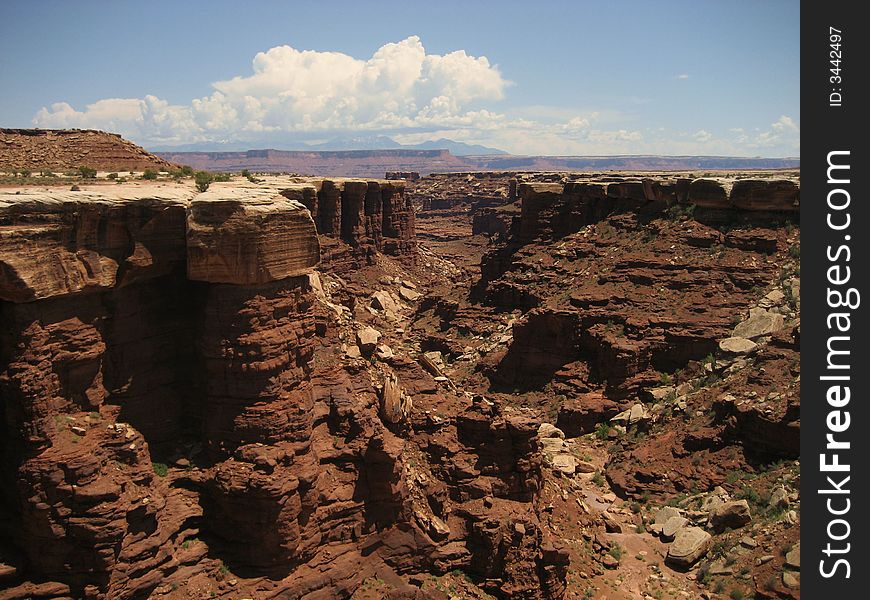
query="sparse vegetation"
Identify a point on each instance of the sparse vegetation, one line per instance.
(616, 551)
(87, 172)
(160, 469)
(677, 212)
(602, 431)
(203, 179)
(149, 175)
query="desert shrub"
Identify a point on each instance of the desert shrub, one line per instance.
(160, 469)
(149, 174)
(221, 177)
(676, 212)
(87, 172)
(203, 179)
(112, 176)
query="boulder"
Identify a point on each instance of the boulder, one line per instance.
(585, 467)
(793, 557)
(367, 340)
(737, 345)
(382, 301)
(672, 526)
(664, 514)
(408, 294)
(564, 463)
(384, 352)
(759, 323)
(611, 525)
(779, 499)
(791, 579)
(714, 498)
(638, 414)
(438, 529)
(609, 562)
(733, 514)
(548, 430)
(659, 394)
(689, 546)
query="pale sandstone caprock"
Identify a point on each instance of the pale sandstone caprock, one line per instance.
(253, 239)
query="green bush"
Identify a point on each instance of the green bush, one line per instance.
(149, 174)
(615, 551)
(203, 179)
(87, 173)
(160, 469)
(112, 176)
(220, 177)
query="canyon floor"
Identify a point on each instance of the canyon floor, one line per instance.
(477, 385)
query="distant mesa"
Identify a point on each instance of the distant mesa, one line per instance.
(58, 149)
(374, 163)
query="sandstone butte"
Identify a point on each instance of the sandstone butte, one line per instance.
(187, 411)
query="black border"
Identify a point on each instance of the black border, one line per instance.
(826, 128)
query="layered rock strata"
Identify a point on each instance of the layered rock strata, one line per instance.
(172, 409)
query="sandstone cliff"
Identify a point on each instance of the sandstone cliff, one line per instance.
(173, 411)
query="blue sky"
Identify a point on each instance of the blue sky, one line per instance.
(616, 77)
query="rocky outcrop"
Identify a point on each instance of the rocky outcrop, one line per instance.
(173, 410)
(248, 241)
(64, 243)
(369, 215)
(64, 149)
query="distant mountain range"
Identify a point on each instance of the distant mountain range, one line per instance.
(375, 162)
(374, 142)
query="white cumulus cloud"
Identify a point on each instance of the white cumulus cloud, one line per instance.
(290, 90)
(292, 96)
